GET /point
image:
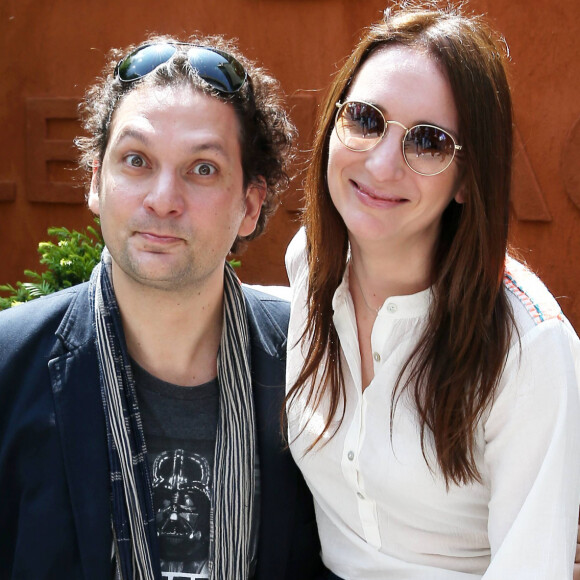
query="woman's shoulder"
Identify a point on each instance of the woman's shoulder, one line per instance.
(296, 257)
(531, 301)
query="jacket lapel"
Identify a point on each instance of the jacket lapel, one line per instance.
(80, 418)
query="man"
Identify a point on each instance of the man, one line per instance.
(139, 413)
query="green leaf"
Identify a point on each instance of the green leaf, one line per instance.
(68, 262)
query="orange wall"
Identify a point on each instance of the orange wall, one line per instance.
(51, 51)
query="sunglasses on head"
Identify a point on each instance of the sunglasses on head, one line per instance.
(216, 67)
(427, 149)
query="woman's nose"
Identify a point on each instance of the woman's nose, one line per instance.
(385, 161)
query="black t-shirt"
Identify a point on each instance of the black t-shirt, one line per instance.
(180, 426)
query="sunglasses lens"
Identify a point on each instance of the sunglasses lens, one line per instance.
(428, 150)
(219, 69)
(144, 60)
(359, 126)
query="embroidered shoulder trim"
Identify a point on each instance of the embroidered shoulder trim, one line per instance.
(531, 292)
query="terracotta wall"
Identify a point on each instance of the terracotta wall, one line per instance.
(51, 51)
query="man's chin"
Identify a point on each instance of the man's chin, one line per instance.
(155, 274)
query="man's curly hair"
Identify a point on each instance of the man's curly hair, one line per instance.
(267, 135)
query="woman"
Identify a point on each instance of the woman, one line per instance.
(433, 380)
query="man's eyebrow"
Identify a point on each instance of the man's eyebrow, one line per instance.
(130, 133)
(210, 146)
(141, 136)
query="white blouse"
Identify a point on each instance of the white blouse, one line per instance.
(382, 513)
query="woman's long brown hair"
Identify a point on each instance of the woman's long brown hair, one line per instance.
(454, 370)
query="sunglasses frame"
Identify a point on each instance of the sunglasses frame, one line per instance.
(226, 56)
(386, 122)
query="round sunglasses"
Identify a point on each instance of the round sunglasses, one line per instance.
(427, 149)
(216, 67)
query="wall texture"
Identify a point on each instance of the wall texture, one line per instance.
(51, 51)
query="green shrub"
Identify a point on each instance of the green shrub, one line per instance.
(69, 261)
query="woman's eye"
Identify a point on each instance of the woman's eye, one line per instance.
(135, 160)
(204, 169)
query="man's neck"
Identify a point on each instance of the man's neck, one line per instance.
(173, 335)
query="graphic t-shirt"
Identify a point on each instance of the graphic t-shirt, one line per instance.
(180, 425)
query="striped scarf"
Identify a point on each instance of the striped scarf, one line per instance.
(135, 545)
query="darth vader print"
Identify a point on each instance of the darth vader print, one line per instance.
(182, 499)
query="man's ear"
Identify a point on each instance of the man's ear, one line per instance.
(255, 196)
(93, 199)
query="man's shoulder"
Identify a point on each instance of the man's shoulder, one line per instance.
(42, 315)
(49, 303)
(268, 317)
(268, 299)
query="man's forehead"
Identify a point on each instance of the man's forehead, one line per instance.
(150, 111)
(151, 97)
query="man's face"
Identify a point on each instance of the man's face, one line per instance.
(170, 191)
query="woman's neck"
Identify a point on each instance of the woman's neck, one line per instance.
(379, 273)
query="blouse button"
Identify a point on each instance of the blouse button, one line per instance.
(377, 357)
(350, 455)
(360, 495)
(392, 307)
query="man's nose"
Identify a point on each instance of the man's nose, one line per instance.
(165, 196)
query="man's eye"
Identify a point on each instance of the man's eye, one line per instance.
(204, 169)
(135, 160)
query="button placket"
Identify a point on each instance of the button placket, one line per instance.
(366, 504)
(350, 445)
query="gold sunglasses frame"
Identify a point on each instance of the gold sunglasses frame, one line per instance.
(341, 107)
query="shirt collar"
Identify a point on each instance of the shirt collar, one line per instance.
(408, 306)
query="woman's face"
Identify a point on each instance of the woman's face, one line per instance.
(381, 200)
